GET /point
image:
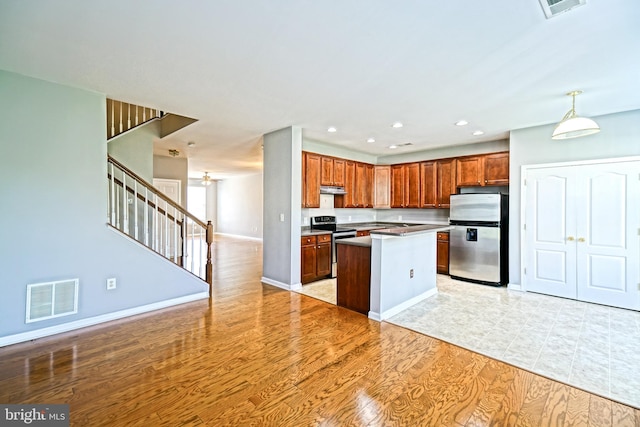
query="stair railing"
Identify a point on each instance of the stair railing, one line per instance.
(144, 213)
(123, 116)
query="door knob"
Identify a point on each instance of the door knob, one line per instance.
(570, 238)
(581, 239)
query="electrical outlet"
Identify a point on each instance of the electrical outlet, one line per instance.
(411, 274)
(399, 217)
(349, 218)
(111, 283)
(281, 217)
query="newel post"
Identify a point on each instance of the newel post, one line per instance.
(209, 272)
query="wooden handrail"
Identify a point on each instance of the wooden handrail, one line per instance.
(151, 187)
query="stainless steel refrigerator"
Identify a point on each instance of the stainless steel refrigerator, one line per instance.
(479, 238)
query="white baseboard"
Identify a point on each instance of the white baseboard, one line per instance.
(277, 283)
(515, 287)
(402, 306)
(83, 323)
(240, 236)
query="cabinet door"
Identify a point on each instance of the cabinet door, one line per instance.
(326, 176)
(446, 181)
(360, 185)
(312, 180)
(349, 184)
(308, 259)
(428, 185)
(412, 185)
(397, 186)
(323, 259)
(382, 187)
(496, 169)
(469, 171)
(338, 172)
(368, 186)
(442, 263)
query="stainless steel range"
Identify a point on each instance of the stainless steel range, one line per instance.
(328, 223)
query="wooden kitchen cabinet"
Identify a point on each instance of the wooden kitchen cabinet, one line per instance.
(442, 262)
(362, 233)
(405, 185)
(353, 282)
(332, 171)
(315, 253)
(496, 169)
(481, 170)
(446, 185)
(312, 164)
(382, 187)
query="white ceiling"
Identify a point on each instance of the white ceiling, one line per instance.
(248, 67)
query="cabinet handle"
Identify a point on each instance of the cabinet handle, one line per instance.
(570, 238)
(486, 180)
(581, 239)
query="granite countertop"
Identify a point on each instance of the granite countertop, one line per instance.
(412, 229)
(364, 241)
(309, 232)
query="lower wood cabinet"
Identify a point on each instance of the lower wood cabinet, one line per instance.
(315, 253)
(353, 285)
(442, 263)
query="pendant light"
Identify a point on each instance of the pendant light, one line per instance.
(572, 125)
(206, 179)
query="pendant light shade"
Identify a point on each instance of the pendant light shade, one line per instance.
(572, 125)
(206, 179)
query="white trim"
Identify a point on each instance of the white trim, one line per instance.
(296, 286)
(402, 306)
(277, 284)
(83, 323)
(240, 236)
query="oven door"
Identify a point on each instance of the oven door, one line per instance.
(335, 236)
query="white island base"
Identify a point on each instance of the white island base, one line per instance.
(403, 268)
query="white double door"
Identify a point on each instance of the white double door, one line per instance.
(581, 237)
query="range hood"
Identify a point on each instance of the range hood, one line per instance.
(327, 189)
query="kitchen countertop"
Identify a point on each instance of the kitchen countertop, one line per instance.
(411, 230)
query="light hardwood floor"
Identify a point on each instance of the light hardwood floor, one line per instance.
(258, 355)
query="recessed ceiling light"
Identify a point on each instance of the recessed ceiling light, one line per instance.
(478, 133)
(370, 140)
(332, 129)
(462, 123)
(397, 125)
(393, 146)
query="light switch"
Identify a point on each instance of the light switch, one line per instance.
(281, 217)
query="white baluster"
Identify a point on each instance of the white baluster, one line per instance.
(201, 258)
(128, 116)
(144, 114)
(193, 253)
(120, 116)
(166, 231)
(113, 120)
(113, 195)
(125, 204)
(146, 216)
(135, 209)
(137, 115)
(175, 235)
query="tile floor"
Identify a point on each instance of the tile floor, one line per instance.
(589, 346)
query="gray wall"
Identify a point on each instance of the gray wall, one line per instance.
(53, 189)
(240, 206)
(134, 149)
(619, 137)
(282, 196)
(173, 168)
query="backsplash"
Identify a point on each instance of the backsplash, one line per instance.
(344, 216)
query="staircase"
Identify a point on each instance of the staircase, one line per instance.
(142, 212)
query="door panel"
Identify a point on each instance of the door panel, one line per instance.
(549, 235)
(607, 243)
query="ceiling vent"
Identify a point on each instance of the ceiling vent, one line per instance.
(555, 7)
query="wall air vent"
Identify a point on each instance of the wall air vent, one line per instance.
(51, 299)
(555, 7)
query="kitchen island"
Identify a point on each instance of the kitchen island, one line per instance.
(402, 269)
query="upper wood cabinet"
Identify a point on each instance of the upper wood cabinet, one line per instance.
(311, 180)
(446, 170)
(382, 187)
(333, 170)
(405, 185)
(496, 169)
(437, 183)
(481, 170)
(369, 185)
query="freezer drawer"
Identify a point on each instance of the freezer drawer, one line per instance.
(474, 253)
